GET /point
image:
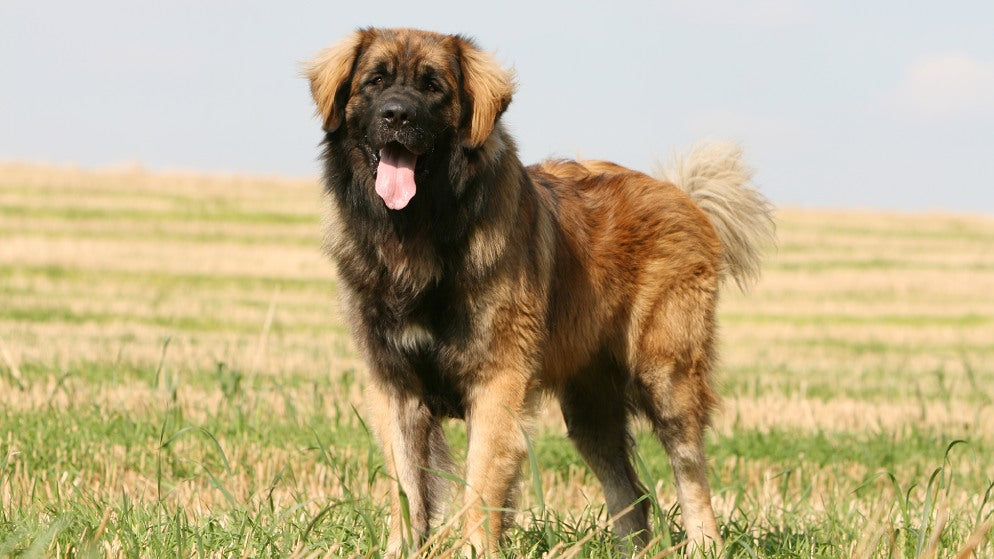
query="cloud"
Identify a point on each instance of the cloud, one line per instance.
(946, 87)
(757, 13)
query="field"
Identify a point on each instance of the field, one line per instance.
(175, 381)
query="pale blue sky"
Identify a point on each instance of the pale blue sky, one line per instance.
(856, 104)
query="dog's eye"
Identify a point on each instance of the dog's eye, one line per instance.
(433, 86)
(375, 80)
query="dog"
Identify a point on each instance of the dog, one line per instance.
(473, 284)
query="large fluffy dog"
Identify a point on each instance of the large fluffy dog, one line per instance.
(473, 284)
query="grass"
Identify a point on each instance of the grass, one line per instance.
(175, 381)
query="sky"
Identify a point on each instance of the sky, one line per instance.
(847, 104)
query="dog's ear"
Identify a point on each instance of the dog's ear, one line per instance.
(330, 74)
(489, 87)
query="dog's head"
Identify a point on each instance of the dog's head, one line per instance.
(399, 97)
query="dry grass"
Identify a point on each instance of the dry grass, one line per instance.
(173, 340)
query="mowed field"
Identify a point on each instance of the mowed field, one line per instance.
(176, 381)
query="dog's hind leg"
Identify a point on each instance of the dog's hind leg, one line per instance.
(683, 439)
(413, 446)
(596, 415)
(673, 387)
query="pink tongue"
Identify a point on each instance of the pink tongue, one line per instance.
(395, 176)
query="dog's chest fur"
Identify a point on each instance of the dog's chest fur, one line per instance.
(422, 287)
(418, 320)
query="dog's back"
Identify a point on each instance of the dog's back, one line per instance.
(632, 320)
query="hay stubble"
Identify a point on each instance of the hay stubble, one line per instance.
(176, 380)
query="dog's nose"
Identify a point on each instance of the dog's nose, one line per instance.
(396, 113)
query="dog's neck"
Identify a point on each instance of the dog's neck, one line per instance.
(457, 220)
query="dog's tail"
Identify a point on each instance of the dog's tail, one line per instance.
(720, 183)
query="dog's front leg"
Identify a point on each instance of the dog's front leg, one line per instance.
(495, 419)
(413, 446)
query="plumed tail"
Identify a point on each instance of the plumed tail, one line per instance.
(716, 178)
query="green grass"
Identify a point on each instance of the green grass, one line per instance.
(178, 401)
(799, 513)
(876, 264)
(835, 319)
(174, 280)
(210, 213)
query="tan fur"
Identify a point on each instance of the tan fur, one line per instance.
(585, 280)
(715, 177)
(327, 73)
(490, 87)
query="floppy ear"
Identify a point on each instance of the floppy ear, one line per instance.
(330, 74)
(489, 87)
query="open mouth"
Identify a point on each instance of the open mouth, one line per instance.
(395, 169)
